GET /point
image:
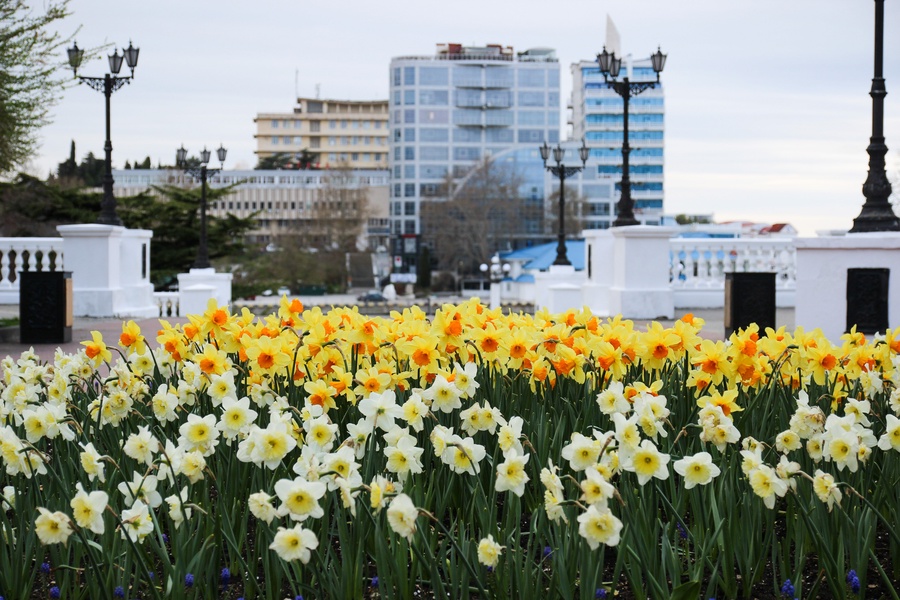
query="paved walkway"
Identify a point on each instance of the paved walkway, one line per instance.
(111, 328)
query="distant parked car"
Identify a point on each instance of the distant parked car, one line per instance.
(284, 291)
(371, 297)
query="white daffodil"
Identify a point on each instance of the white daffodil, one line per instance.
(87, 509)
(697, 469)
(295, 543)
(582, 451)
(300, 498)
(599, 526)
(52, 527)
(178, 511)
(381, 409)
(137, 523)
(142, 446)
(199, 433)
(511, 475)
(402, 514)
(236, 417)
(489, 552)
(647, 462)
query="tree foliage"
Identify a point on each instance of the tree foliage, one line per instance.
(30, 75)
(88, 173)
(573, 212)
(174, 218)
(288, 161)
(30, 207)
(480, 214)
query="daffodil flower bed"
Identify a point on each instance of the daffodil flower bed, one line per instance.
(473, 454)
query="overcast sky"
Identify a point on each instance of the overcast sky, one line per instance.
(767, 108)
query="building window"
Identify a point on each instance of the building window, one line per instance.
(409, 208)
(433, 135)
(465, 134)
(409, 75)
(533, 77)
(436, 116)
(434, 97)
(332, 124)
(409, 227)
(409, 190)
(466, 153)
(433, 76)
(409, 153)
(531, 135)
(433, 153)
(409, 97)
(531, 99)
(274, 124)
(396, 75)
(314, 126)
(314, 106)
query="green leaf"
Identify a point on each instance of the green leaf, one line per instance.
(686, 591)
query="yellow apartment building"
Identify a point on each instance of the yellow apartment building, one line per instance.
(350, 133)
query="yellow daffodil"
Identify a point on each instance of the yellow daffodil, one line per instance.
(96, 350)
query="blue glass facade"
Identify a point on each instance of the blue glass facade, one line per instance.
(452, 110)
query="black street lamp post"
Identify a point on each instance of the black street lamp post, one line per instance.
(877, 213)
(107, 84)
(201, 173)
(609, 66)
(562, 172)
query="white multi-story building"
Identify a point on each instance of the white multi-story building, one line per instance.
(285, 202)
(598, 117)
(451, 110)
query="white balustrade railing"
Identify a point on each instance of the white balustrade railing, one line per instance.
(168, 303)
(26, 254)
(698, 267)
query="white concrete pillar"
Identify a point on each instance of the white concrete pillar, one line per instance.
(495, 295)
(110, 271)
(598, 248)
(822, 264)
(198, 286)
(545, 282)
(640, 280)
